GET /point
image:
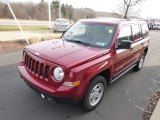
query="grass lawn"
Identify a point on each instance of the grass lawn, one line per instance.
(24, 27)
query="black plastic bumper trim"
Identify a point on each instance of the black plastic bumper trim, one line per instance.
(53, 98)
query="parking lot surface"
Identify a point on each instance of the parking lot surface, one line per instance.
(125, 99)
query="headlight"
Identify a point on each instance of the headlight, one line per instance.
(58, 73)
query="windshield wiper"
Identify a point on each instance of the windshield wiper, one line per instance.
(65, 38)
(77, 41)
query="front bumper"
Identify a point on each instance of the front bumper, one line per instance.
(54, 98)
(61, 94)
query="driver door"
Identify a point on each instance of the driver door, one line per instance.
(123, 58)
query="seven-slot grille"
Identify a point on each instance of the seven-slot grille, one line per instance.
(35, 67)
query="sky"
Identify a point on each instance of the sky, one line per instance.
(148, 8)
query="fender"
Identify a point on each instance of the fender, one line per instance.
(89, 70)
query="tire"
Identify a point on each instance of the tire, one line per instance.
(140, 63)
(94, 93)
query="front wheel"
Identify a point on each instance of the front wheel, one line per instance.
(140, 63)
(94, 93)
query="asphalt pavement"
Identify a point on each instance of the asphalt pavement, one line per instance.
(125, 99)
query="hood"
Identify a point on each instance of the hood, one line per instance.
(65, 53)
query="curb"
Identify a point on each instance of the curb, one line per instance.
(156, 113)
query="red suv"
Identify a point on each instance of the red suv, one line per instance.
(78, 67)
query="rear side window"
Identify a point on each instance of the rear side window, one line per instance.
(145, 30)
(136, 32)
(125, 34)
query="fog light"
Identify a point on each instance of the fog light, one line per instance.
(42, 96)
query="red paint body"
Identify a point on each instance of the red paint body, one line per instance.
(79, 62)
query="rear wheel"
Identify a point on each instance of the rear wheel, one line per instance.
(140, 63)
(94, 93)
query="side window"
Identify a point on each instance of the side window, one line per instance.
(145, 30)
(136, 32)
(125, 34)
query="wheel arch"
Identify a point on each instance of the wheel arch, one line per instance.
(146, 50)
(105, 73)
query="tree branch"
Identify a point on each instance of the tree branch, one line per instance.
(135, 2)
(125, 2)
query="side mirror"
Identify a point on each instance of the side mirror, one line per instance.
(124, 44)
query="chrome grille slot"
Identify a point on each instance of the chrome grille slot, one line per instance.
(41, 69)
(30, 62)
(33, 65)
(46, 72)
(36, 66)
(25, 59)
(27, 63)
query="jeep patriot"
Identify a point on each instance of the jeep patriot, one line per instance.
(90, 55)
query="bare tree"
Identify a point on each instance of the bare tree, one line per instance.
(125, 8)
(40, 11)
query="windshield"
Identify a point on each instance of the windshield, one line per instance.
(64, 21)
(93, 34)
